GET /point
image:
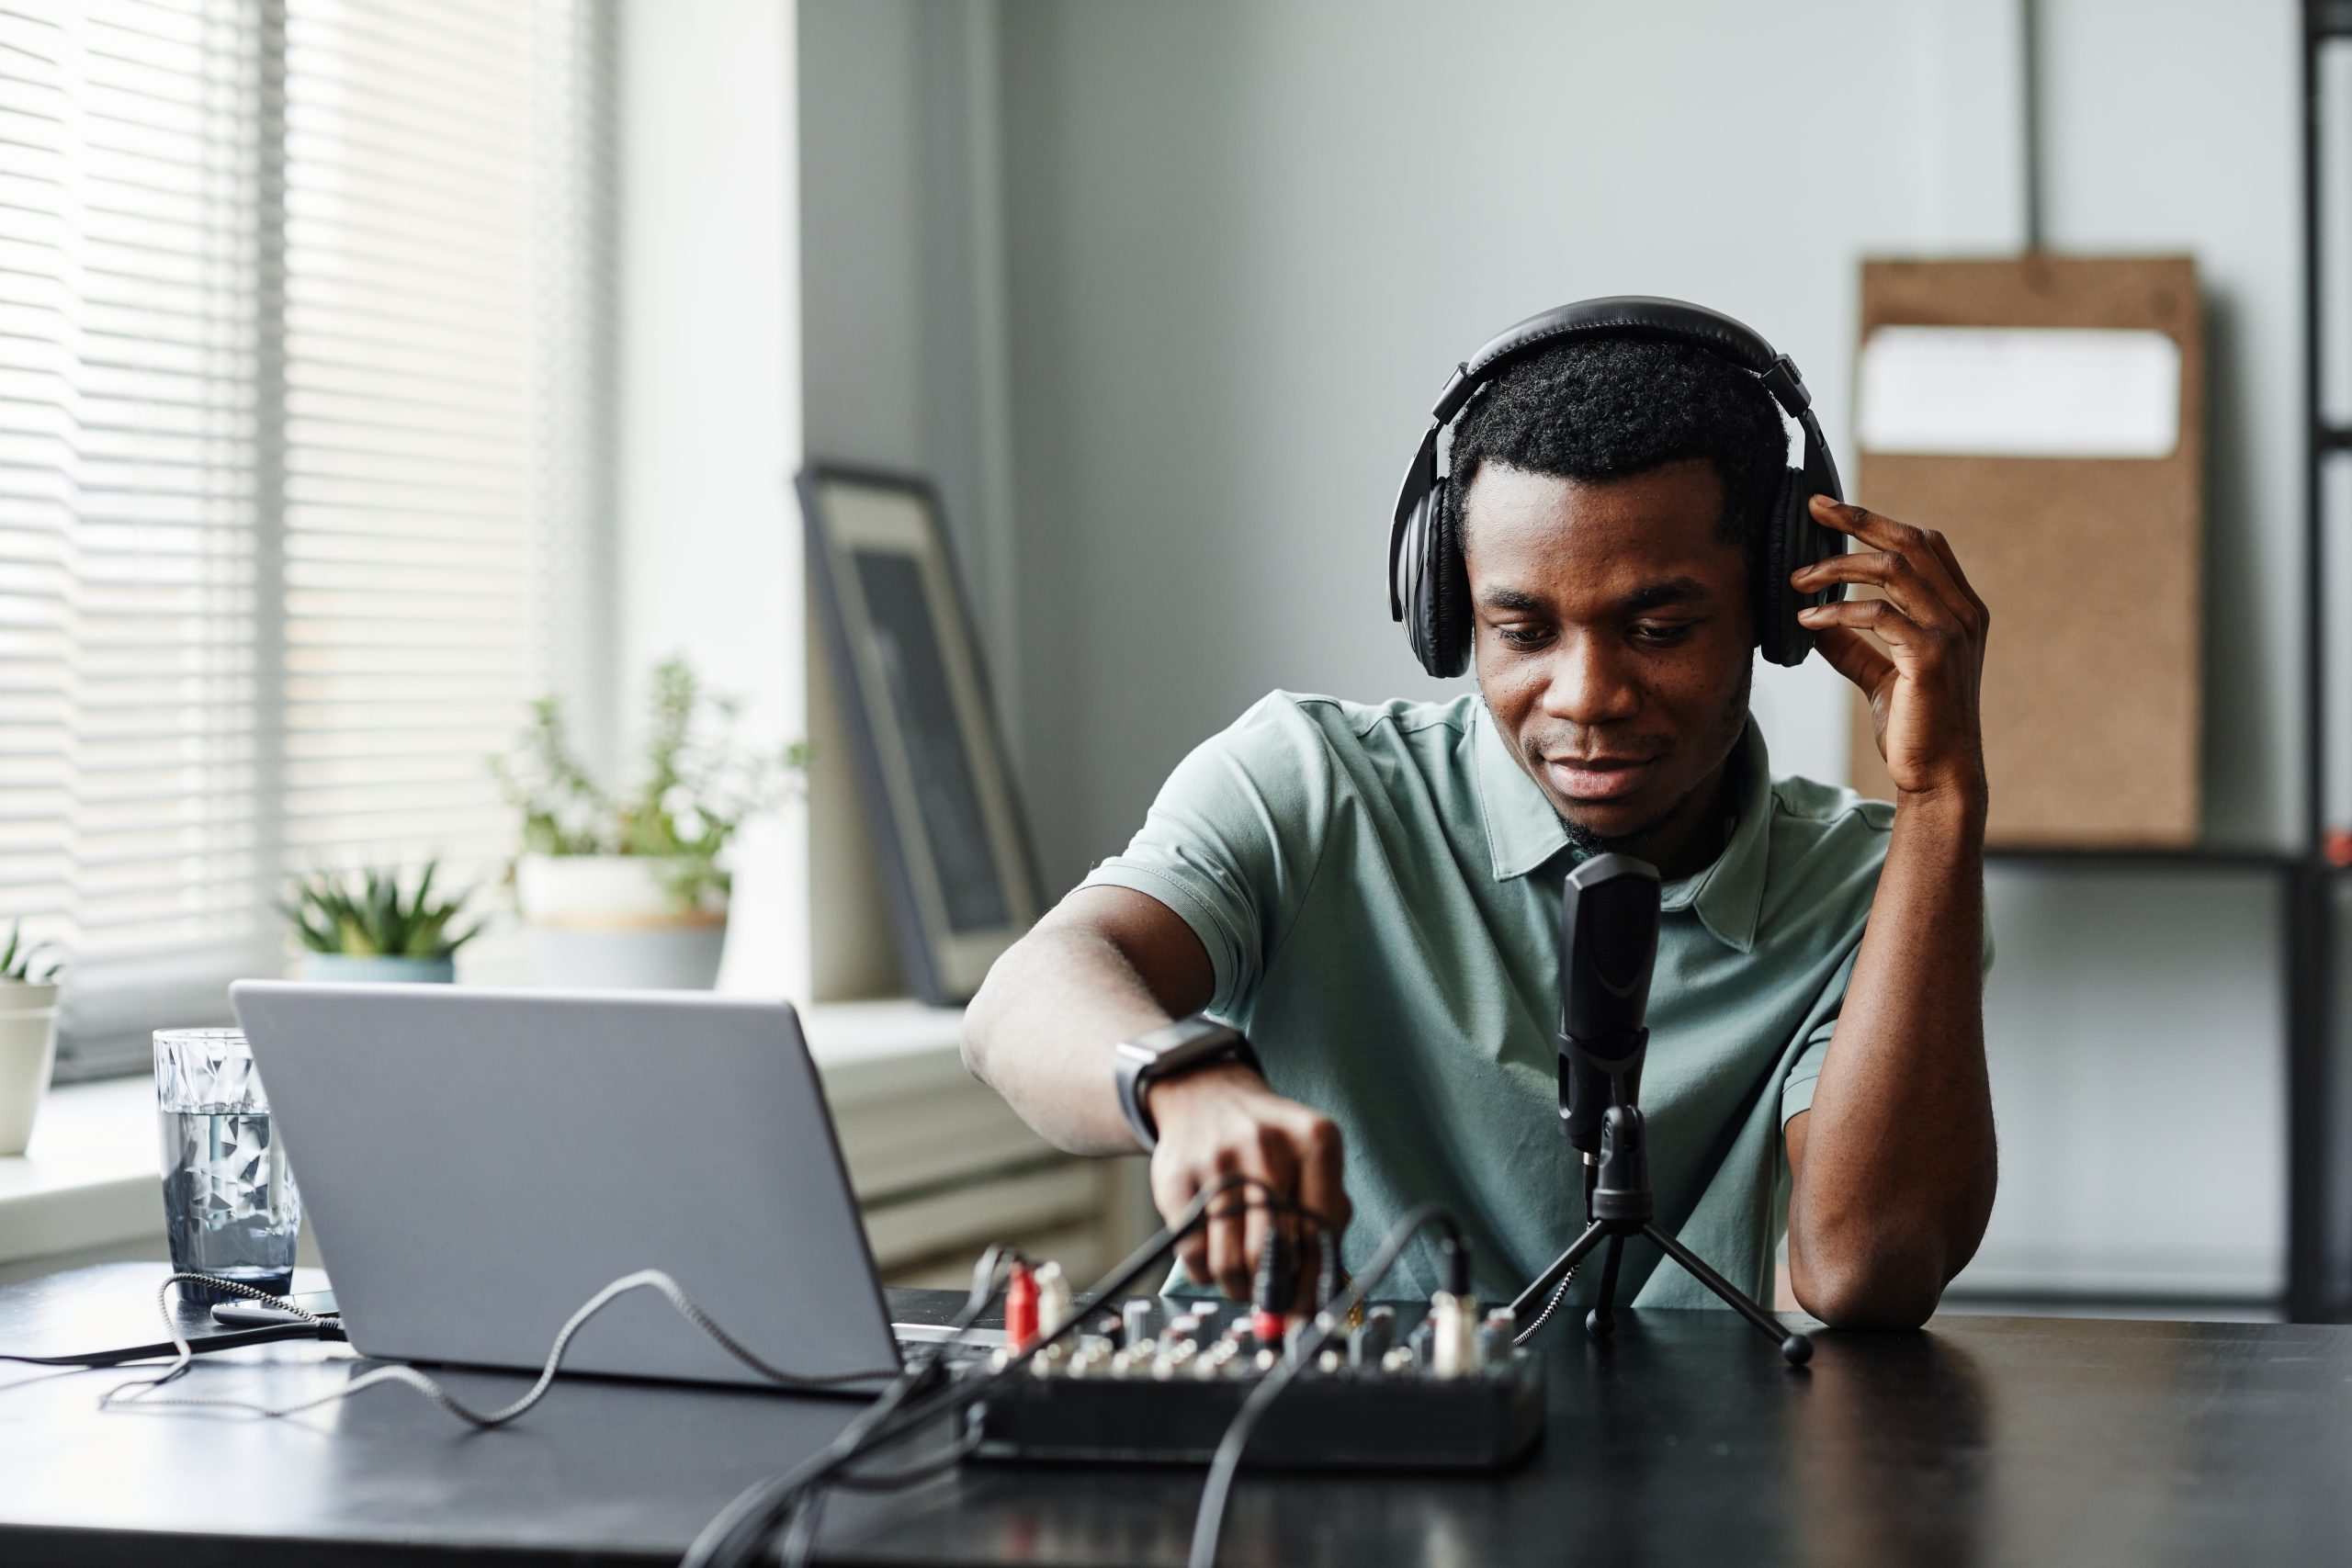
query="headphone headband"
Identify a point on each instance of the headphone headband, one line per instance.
(1426, 585)
(1635, 315)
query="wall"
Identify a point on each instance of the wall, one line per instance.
(1250, 240)
(710, 409)
(1247, 240)
(2175, 125)
(903, 357)
(2135, 1025)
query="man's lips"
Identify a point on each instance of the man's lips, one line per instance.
(1598, 778)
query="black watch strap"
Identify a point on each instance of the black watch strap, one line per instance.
(1182, 1047)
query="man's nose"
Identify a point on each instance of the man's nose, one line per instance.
(1588, 684)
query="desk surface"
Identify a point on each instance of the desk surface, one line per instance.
(1993, 1440)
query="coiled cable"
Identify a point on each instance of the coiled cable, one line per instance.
(140, 1394)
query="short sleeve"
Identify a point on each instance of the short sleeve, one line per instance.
(1796, 1088)
(1234, 839)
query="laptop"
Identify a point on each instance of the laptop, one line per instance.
(476, 1164)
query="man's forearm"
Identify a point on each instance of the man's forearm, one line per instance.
(1043, 1030)
(1111, 963)
(1897, 1168)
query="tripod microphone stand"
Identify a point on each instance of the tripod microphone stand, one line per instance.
(1608, 945)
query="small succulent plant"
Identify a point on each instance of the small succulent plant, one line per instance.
(26, 963)
(369, 914)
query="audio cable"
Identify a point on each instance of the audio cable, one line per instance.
(273, 1334)
(1559, 1294)
(746, 1531)
(798, 1525)
(743, 1531)
(141, 1393)
(1209, 1521)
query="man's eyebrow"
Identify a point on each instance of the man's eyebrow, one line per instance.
(1514, 599)
(1656, 596)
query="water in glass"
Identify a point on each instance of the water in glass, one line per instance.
(229, 1205)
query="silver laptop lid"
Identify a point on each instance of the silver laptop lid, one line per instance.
(476, 1164)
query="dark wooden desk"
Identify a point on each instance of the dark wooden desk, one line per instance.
(1995, 1441)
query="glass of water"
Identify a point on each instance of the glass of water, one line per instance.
(230, 1206)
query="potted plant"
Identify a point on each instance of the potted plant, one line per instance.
(364, 926)
(628, 890)
(27, 1035)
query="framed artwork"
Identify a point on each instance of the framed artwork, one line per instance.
(930, 757)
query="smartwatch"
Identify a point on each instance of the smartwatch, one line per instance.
(1182, 1047)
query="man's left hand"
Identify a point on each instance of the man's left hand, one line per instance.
(1923, 689)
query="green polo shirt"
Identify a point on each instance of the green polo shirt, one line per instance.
(1378, 888)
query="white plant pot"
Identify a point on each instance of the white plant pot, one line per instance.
(28, 1050)
(609, 921)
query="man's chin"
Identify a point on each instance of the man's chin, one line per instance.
(1612, 832)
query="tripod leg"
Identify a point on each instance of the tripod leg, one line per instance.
(1533, 1297)
(1601, 1321)
(1795, 1347)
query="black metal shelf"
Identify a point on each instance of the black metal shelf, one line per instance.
(2319, 1147)
(2148, 858)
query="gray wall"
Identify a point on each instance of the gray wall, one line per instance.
(2136, 1032)
(901, 275)
(902, 362)
(1250, 240)
(1243, 242)
(2176, 126)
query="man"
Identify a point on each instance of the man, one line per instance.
(1371, 894)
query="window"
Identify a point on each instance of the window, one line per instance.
(304, 316)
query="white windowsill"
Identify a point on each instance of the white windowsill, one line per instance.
(91, 1177)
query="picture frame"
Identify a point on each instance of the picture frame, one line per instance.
(930, 756)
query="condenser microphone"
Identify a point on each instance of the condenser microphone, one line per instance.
(1607, 947)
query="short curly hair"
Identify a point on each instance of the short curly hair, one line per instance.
(1608, 406)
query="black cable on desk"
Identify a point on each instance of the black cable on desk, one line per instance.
(1210, 1521)
(744, 1531)
(760, 1513)
(276, 1333)
(909, 1475)
(141, 1393)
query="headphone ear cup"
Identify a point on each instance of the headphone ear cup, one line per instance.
(1441, 618)
(1780, 635)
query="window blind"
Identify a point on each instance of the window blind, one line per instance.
(306, 313)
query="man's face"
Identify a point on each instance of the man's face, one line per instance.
(1612, 639)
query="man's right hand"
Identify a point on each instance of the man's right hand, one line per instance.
(1222, 1121)
(1110, 963)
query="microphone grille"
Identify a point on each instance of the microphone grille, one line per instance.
(1608, 944)
(1624, 943)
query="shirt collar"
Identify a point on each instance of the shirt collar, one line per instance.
(1523, 833)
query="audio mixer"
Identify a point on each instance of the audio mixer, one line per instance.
(1421, 1386)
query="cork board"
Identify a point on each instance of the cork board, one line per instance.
(2092, 566)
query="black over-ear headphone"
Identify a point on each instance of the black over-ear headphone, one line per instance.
(1428, 588)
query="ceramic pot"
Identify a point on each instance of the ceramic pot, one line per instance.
(28, 1051)
(354, 968)
(610, 922)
